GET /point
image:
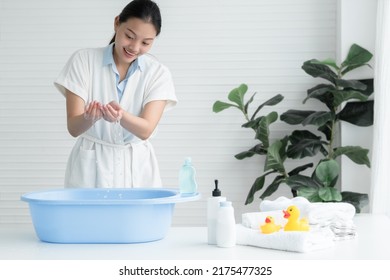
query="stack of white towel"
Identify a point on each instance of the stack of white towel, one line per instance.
(328, 222)
(337, 216)
(293, 241)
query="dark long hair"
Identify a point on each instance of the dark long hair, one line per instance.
(146, 10)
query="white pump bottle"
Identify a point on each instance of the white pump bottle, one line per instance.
(212, 212)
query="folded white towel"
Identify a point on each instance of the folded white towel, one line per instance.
(282, 202)
(254, 220)
(294, 241)
(316, 213)
(330, 212)
(337, 216)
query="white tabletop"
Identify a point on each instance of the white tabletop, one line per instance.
(19, 242)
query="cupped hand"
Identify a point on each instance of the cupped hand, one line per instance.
(112, 112)
(93, 111)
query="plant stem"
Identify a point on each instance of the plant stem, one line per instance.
(333, 126)
(330, 145)
(246, 116)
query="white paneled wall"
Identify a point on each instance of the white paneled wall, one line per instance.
(211, 46)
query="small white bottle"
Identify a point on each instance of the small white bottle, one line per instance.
(187, 182)
(226, 225)
(212, 212)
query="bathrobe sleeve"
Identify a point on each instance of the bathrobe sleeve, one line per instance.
(160, 87)
(74, 76)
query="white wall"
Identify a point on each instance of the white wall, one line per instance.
(211, 46)
(356, 24)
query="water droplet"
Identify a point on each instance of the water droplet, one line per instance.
(116, 132)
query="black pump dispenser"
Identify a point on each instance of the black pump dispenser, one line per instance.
(216, 191)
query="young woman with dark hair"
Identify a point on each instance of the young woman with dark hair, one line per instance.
(115, 97)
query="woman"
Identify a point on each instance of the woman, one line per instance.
(115, 97)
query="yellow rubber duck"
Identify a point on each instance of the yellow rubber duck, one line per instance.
(269, 226)
(294, 223)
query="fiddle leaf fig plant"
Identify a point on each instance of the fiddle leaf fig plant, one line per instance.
(275, 152)
(344, 100)
(336, 95)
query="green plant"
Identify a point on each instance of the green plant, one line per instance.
(336, 96)
(275, 152)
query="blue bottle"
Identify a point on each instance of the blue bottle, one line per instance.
(187, 182)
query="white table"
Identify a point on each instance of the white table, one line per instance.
(19, 242)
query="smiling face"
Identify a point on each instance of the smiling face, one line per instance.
(134, 37)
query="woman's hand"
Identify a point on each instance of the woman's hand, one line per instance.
(112, 112)
(143, 125)
(80, 117)
(93, 111)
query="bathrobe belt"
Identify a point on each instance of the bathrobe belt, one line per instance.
(123, 146)
(129, 145)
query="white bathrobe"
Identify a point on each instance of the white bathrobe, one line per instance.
(106, 155)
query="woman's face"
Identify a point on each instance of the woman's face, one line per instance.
(133, 38)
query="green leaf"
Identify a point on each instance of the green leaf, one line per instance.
(258, 149)
(314, 69)
(351, 84)
(330, 62)
(300, 181)
(299, 169)
(272, 187)
(274, 100)
(245, 154)
(310, 193)
(329, 194)
(295, 116)
(276, 156)
(318, 118)
(320, 92)
(359, 200)
(220, 106)
(369, 86)
(355, 153)
(327, 171)
(358, 113)
(253, 123)
(350, 68)
(237, 95)
(341, 96)
(357, 57)
(304, 144)
(270, 102)
(257, 185)
(248, 103)
(326, 129)
(262, 132)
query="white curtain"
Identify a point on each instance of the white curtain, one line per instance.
(380, 190)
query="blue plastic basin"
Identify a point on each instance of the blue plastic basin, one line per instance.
(101, 215)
